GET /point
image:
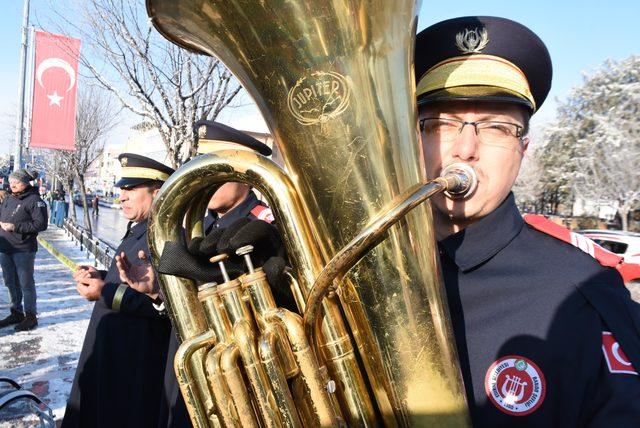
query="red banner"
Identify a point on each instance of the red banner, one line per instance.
(53, 119)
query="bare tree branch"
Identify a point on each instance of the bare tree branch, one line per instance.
(156, 80)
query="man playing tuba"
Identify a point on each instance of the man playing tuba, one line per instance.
(350, 148)
(547, 335)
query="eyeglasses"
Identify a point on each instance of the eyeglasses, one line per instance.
(488, 131)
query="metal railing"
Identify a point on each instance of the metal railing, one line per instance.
(16, 393)
(100, 250)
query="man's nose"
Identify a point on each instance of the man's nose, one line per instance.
(466, 147)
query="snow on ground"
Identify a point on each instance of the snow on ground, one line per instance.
(44, 360)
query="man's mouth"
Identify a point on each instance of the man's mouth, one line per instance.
(462, 180)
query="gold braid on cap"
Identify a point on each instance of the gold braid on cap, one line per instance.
(141, 172)
(208, 146)
(476, 70)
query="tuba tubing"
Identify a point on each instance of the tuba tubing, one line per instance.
(457, 179)
(197, 178)
(335, 84)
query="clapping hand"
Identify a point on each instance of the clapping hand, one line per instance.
(89, 282)
(140, 277)
(85, 271)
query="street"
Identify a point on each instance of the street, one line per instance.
(110, 225)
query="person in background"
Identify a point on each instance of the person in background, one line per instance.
(231, 202)
(95, 204)
(22, 215)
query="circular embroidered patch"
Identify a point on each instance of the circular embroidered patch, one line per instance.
(515, 385)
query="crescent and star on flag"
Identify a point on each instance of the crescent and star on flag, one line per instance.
(55, 84)
(49, 63)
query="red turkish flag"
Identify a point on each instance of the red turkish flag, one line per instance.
(616, 359)
(53, 120)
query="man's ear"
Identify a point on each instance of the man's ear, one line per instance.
(155, 192)
(524, 145)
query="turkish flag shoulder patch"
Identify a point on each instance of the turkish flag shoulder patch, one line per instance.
(617, 361)
(263, 213)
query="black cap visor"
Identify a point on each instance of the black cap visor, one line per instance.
(475, 94)
(128, 183)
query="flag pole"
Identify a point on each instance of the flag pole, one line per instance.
(17, 159)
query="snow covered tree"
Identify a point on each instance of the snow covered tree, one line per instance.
(610, 173)
(593, 147)
(529, 186)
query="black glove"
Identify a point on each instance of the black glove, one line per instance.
(193, 263)
(263, 236)
(178, 261)
(268, 252)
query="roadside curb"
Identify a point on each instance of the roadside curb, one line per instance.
(57, 254)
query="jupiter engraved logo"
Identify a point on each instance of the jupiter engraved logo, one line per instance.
(515, 385)
(319, 97)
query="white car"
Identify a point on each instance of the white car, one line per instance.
(625, 244)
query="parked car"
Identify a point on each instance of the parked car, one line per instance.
(624, 244)
(77, 199)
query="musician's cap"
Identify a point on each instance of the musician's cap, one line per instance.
(216, 136)
(137, 169)
(482, 58)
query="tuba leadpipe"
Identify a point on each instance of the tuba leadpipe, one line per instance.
(457, 179)
(334, 82)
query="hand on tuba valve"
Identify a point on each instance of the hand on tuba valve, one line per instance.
(192, 261)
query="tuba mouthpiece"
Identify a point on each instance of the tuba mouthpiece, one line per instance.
(461, 179)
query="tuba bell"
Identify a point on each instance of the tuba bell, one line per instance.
(334, 81)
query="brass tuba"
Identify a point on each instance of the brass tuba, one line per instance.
(334, 82)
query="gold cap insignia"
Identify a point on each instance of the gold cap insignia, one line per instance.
(124, 161)
(472, 41)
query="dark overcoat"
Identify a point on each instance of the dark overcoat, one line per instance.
(120, 372)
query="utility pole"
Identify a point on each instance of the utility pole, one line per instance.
(17, 160)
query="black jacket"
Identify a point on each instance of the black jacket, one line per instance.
(28, 213)
(547, 337)
(119, 377)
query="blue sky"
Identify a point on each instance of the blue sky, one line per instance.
(580, 35)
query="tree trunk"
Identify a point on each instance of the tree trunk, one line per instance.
(85, 207)
(624, 216)
(556, 201)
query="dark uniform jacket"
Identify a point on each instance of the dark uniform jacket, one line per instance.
(28, 212)
(251, 208)
(547, 337)
(174, 412)
(119, 377)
